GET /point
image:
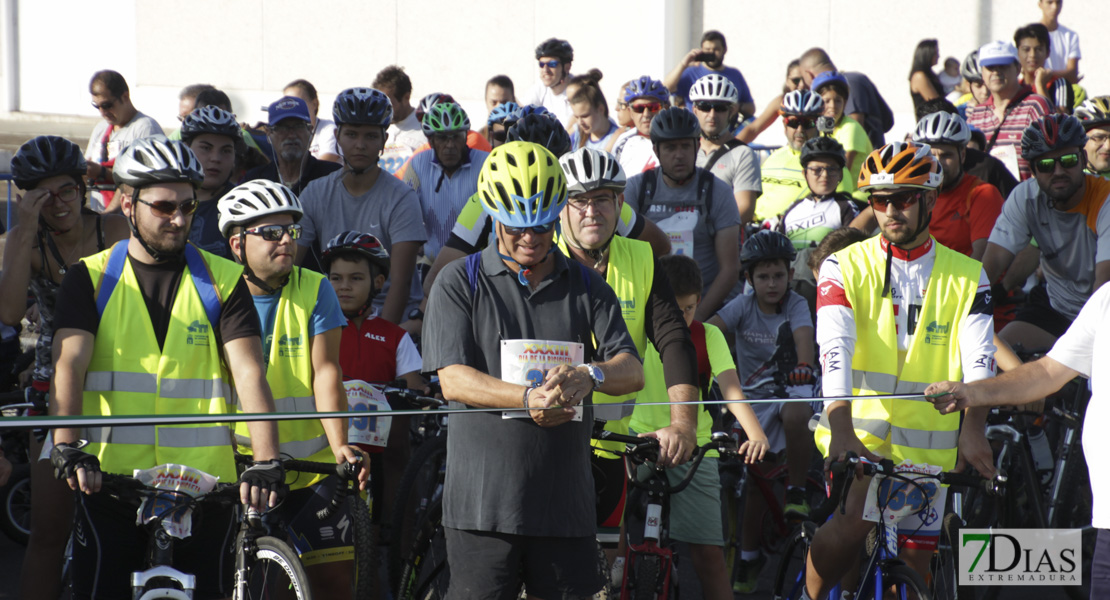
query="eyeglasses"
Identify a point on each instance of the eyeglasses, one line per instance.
(66, 194)
(795, 122)
(796, 80)
(900, 200)
(551, 64)
(535, 229)
(1048, 165)
(1098, 138)
(274, 233)
(580, 204)
(290, 126)
(106, 105)
(823, 171)
(639, 108)
(167, 209)
(712, 106)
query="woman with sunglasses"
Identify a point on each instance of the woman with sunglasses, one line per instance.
(55, 230)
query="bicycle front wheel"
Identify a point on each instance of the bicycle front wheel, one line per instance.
(905, 582)
(790, 578)
(366, 550)
(274, 571)
(944, 585)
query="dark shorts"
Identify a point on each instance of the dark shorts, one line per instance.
(108, 547)
(1100, 565)
(490, 566)
(611, 486)
(1038, 311)
(316, 541)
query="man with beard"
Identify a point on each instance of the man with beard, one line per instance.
(715, 102)
(893, 313)
(704, 60)
(301, 329)
(290, 131)
(154, 325)
(1062, 208)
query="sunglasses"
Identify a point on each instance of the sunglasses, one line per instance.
(167, 209)
(106, 105)
(795, 122)
(823, 171)
(639, 108)
(1048, 165)
(551, 64)
(712, 106)
(535, 229)
(274, 233)
(901, 200)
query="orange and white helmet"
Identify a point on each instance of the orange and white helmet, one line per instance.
(900, 164)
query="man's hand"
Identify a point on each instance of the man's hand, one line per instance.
(545, 412)
(567, 386)
(949, 396)
(676, 444)
(262, 485)
(351, 454)
(975, 450)
(754, 450)
(78, 468)
(841, 444)
(691, 57)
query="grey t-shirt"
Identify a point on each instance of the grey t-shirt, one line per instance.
(1071, 243)
(511, 475)
(865, 98)
(738, 167)
(390, 211)
(764, 343)
(719, 213)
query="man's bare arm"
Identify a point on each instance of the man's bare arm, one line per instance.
(402, 266)
(244, 360)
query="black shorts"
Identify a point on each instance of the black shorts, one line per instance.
(611, 487)
(316, 541)
(1038, 311)
(490, 566)
(108, 547)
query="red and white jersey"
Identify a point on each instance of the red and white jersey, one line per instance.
(909, 279)
(377, 351)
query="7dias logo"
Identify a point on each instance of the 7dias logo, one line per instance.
(1020, 557)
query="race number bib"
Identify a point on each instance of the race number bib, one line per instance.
(891, 501)
(366, 429)
(1008, 154)
(177, 520)
(526, 362)
(679, 227)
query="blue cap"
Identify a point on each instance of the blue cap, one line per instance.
(286, 108)
(831, 78)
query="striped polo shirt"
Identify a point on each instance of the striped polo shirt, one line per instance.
(1029, 110)
(442, 196)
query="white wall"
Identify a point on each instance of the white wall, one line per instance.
(252, 48)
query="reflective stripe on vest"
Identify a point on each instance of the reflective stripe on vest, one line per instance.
(289, 373)
(916, 431)
(129, 374)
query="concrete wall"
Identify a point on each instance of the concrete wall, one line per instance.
(252, 48)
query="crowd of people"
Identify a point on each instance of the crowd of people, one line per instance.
(643, 246)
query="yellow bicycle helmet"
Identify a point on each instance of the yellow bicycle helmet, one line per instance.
(522, 185)
(1095, 112)
(900, 164)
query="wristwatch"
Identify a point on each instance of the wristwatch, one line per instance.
(596, 374)
(416, 314)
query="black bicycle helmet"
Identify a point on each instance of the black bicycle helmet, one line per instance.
(674, 123)
(823, 147)
(766, 245)
(556, 48)
(356, 243)
(544, 130)
(44, 157)
(362, 106)
(210, 119)
(1050, 133)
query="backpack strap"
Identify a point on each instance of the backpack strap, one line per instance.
(647, 191)
(112, 272)
(202, 280)
(705, 190)
(705, 370)
(722, 150)
(473, 262)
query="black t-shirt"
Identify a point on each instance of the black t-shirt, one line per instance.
(76, 308)
(991, 170)
(314, 168)
(667, 330)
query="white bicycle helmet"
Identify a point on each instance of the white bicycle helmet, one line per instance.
(155, 159)
(942, 128)
(802, 103)
(588, 169)
(714, 87)
(255, 199)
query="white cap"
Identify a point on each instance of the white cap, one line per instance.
(996, 54)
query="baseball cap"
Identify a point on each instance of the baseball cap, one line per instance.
(996, 54)
(288, 107)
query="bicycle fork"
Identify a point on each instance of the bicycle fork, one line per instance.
(648, 556)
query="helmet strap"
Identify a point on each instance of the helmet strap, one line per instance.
(157, 255)
(598, 255)
(249, 273)
(525, 270)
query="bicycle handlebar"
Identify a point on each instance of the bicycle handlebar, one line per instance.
(646, 449)
(346, 472)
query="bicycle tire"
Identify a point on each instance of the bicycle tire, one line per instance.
(1077, 490)
(900, 574)
(944, 584)
(365, 579)
(645, 577)
(790, 574)
(414, 496)
(15, 505)
(274, 566)
(424, 573)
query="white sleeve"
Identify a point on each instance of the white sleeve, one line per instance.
(1075, 349)
(408, 357)
(836, 331)
(977, 335)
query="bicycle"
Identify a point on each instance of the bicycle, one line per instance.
(651, 566)
(899, 496)
(15, 497)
